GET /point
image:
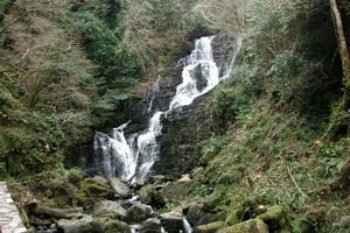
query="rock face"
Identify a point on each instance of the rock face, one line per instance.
(185, 126)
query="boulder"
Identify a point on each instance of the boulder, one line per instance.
(82, 225)
(146, 194)
(175, 192)
(100, 179)
(92, 191)
(159, 179)
(211, 202)
(275, 217)
(211, 227)
(139, 182)
(196, 215)
(172, 221)
(185, 178)
(249, 226)
(109, 209)
(120, 188)
(107, 225)
(138, 213)
(233, 217)
(151, 225)
(158, 199)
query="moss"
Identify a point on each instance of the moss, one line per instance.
(92, 191)
(211, 227)
(250, 226)
(276, 217)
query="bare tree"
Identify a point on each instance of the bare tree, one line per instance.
(343, 48)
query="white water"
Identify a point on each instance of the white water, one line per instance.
(187, 226)
(136, 156)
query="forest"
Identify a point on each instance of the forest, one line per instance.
(264, 150)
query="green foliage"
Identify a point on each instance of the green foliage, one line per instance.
(167, 208)
(113, 12)
(33, 145)
(293, 77)
(198, 190)
(212, 148)
(117, 69)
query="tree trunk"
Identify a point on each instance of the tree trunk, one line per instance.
(343, 49)
(54, 212)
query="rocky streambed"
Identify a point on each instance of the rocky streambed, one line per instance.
(155, 205)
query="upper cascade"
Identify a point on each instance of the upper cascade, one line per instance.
(135, 156)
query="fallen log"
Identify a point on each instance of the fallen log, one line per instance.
(38, 209)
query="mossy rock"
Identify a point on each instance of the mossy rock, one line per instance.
(233, 218)
(211, 227)
(177, 191)
(82, 225)
(275, 217)
(250, 226)
(146, 194)
(109, 209)
(92, 191)
(107, 225)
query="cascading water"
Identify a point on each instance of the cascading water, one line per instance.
(135, 157)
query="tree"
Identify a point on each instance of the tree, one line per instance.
(343, 49)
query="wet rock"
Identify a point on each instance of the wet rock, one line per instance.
(82, 225)
(107, 225)
(151, 225)
(109, 209)
(138, 213)
(211, 227)
(120, 188)
(146, 194)
(250, 226)
(172, 221)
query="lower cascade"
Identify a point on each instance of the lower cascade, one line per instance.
(134, 156)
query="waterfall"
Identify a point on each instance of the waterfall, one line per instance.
(187, 226)
(135, 156)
